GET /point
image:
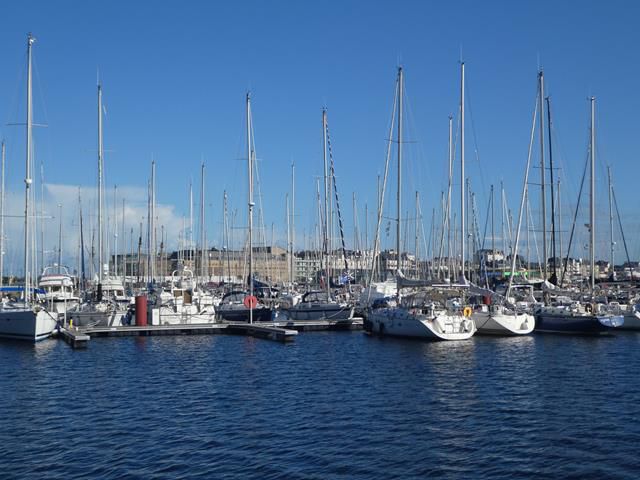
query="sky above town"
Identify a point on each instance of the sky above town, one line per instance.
(175, 76)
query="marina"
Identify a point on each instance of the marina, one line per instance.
(309, 241)
(462, 290)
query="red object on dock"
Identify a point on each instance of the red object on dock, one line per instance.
(141, 310)
(486, 299)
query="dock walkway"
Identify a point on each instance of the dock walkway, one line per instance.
(282, 331)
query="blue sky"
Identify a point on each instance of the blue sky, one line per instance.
(175, 75)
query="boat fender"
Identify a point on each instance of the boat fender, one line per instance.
(467, 311)
(466, 325)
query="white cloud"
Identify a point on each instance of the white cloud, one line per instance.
(135, 213)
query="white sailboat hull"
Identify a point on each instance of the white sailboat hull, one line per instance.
(25, 324)
(499, 323)
(400, 322)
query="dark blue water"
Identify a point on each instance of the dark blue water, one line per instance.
(330, 405)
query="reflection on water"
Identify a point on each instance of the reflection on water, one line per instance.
(325, 406)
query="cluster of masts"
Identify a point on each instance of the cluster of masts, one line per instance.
(420, 306)
(329, 206)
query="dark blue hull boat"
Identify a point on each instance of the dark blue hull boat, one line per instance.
(576, 323)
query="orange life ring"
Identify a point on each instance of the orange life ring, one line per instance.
(467, 312)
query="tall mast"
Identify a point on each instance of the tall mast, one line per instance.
(81, 227)
(493, 238)
(100, 193)
(545, 255)
(469, 223)
(592, 194)
(366, 227)
(288, 215)
(462, 182)
(293, 219)
(2, 218)
(251, 204)
(39, 221)
(611, 243)
(504, 233)
(558, 221)
(149, 253)
(124, 245)
(203, 238)
(226, 244)
(190, 238)
(448, 219)
(154, 240)
(554, 275)
(115, 230)
(28, 180)
(59, 238)
(416, 242)
(399, 192)
(325, 230)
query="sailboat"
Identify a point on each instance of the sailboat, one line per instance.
(241, 306)
(27, 320)
(110, 304)
(320, 304)
(420, 314)
(576, 317)
(499, 318)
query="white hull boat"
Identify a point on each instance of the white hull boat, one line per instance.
(400, 322)
(26, 324)
(497, 321)
(58, 289)
(184, 304)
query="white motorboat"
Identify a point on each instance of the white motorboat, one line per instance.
(59, 290)
(184, 303)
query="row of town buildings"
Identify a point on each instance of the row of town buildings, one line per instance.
(276, 265)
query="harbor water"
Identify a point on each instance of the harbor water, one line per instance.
(329, 405)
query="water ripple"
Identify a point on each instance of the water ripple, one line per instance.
(330, 405)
